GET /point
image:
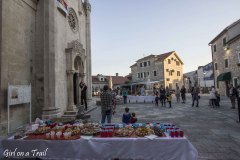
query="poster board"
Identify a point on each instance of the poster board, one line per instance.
(19, 94)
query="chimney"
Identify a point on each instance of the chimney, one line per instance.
(116, 74)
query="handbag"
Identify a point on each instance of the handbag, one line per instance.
(199, 97)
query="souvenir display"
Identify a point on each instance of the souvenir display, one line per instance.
(143, 131)
(124, 132)
(75, 130)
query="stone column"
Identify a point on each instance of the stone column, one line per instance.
(71, 106)
(87, 7)
(50, 110)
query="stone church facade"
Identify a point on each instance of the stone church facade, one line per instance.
(45, 43)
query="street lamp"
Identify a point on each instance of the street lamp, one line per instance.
(204, 74)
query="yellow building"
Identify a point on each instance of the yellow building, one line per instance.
(165, 69)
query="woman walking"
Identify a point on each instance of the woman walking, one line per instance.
(183, 94)
(177, 93)
(213, 97)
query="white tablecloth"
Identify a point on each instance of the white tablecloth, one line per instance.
(140, 99)
(108, 148)
(1, 147)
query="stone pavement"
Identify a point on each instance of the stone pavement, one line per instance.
(214, 132)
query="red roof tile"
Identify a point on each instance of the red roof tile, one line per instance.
(115, 79)
(163, 56)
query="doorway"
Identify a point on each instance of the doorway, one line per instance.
(75, 88)
(227, 88)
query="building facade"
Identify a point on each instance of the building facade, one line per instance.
(165, 69)
(100, 80)
(226, 57)
(45, 43)
(189, 79)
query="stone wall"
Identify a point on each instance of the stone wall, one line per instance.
(154, 66)
(219, 56)
(63, 36)
(17, 47)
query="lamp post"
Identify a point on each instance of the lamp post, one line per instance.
(204, 74)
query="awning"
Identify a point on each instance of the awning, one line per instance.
(224, 77)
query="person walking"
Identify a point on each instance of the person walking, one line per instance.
(156, 98)
(107, 108)
(177, 94)
(213, 97)
(162, 93)
(218, 99)
(83, 94)
(125, 94)
(183, 94)
(169, 98)
(232, 95)
(195, 95)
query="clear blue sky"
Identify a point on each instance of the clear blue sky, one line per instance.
(125, 30)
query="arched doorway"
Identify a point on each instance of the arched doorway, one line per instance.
(77, 78)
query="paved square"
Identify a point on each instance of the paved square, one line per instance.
(214, 132)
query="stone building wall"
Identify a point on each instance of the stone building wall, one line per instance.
(34, 38)
(17, 45)
(219, 56)
(161, 67)
(154, 66)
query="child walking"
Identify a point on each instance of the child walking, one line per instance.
(169, 99)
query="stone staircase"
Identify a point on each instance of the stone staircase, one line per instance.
(79, 112)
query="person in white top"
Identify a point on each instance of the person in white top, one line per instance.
(213, 97)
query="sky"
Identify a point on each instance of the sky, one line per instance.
(124, 31)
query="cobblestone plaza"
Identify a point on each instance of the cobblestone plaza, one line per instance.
(213, 131)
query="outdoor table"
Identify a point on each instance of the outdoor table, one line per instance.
(107, 148)
(140, 99)
(1, 147)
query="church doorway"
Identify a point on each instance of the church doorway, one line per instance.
(75, 89)
(77, 77)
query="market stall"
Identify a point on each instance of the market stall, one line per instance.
(92, 141)
(140, 99)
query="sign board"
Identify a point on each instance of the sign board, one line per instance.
(19, 94)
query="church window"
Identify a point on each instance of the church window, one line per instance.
(73, 20)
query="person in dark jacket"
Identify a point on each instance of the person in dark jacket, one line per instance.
(126, 116)
(83, 94)
(133, 118)
(232, 95)
(162, 93)
(183, 94)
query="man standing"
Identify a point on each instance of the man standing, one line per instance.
(162, 93)
(183, 94)
(106, 104)
(83, 94)
(238, 100)
(232, 95)
(195, 95)
(125, 94)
